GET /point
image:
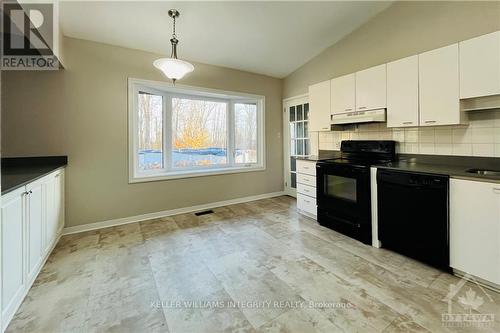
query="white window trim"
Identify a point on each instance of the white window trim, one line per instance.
(157, 87)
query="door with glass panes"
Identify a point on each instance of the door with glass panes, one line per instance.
(296, 138)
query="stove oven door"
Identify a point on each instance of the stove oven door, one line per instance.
(343, 196)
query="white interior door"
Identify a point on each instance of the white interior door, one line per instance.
(296, 138)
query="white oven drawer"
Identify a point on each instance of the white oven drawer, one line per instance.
(306, 204)
(306, 179)
(306, 190)
(307, 167)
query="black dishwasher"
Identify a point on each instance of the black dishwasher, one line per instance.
(413, 215)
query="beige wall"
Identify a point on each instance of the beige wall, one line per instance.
(404, 29)
(82, 112)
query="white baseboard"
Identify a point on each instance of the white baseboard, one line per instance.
(149, 216)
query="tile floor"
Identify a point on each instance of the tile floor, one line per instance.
(252, 267)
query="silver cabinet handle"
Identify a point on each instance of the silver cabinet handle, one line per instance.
(362, 107)
(407, 122)
(307, 201)
(305, 167)
(496, 190)
(429, 121)
(348, 110)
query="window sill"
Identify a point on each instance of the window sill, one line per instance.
(191, 174)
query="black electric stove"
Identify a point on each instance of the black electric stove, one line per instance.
(343, 187)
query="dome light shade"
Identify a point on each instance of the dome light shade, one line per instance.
(174, 69)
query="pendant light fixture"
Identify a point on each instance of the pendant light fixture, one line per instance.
(173, 68)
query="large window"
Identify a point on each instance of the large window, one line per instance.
(179, 132)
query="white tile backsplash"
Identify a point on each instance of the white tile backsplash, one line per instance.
(462, 149)
(461, 135)
(483, 149)
(426, 135)
(481, 137)
(497, 150)
(411, 135)
(443, 135)
(443, 149)
(426, 148)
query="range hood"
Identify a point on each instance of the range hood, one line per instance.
(354, 117)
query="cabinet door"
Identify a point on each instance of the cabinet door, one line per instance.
(59, 200)
(343, 92)
(438, 87)
(34, 229)
(319, 107)
(51, 224)
(480, 66)
(371, 88)
(402, 92)
(12, 279)
(475, 228)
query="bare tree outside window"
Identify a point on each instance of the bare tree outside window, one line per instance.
(150, 123)
(245, 117)
(199, 133)
(176, 133)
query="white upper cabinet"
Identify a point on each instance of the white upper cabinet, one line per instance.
(371, 88)
(343, 93)
(402, 92)
(439, 87)
(480, 66)
(319, 107)
(475, 228)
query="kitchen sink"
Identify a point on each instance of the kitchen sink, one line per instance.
(484, 172)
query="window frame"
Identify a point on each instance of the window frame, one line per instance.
(169, 91)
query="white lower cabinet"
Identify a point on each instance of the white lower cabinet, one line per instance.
(34, 228)
(475, 228)
(54, 192)
(306, 204)
(32, 220)
(12, 279)
(306, 187)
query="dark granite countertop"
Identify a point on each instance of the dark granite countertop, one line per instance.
(19, 171)
(453, 166)
(322, 155)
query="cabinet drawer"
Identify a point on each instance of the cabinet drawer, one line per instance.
(306, 179)
(307, 167)
(306, 190)
(306, 204)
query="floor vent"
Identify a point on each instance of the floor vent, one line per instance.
(205, 212)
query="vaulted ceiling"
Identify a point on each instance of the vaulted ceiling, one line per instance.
(271, 38)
